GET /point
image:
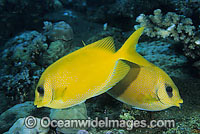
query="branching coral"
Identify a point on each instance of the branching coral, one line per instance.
(175, 26)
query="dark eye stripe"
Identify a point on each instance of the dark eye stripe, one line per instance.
(40, 90)
(169, 91)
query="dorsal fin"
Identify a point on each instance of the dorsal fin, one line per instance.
(105, 43)
(128, 50)
(130, 44)
(84, 43)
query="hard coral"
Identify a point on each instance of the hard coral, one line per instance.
(172, 25)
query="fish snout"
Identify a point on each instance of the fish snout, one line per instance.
(179, 103)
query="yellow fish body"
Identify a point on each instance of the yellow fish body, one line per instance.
(146, 87)
(83, 74)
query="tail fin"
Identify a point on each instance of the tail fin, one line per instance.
(128, 50)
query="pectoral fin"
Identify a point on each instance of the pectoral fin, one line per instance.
(119, 72)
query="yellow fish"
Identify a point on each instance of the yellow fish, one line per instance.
(83, 74)
(146, 86)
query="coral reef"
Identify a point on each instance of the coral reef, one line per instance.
(175, 26)
(190, 125)
(170, 25)
(14, 117)
(25, 47)
(20, 128)
(34, 46)
(28, 54)
(24, 58)
(16, 86)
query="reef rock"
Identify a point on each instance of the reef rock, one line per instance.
(58, 31)
(78, 112)
(26, 56)
(161, 54)
(19, 127)
(33, 46)
(25, 46)
(20, 111)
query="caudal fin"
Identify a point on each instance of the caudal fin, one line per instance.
(128, 50)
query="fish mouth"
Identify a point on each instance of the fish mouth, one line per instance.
(37, 103)
(179, 103)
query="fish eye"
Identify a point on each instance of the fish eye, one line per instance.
(40, 90)
(169, 91)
